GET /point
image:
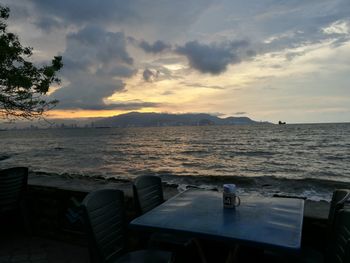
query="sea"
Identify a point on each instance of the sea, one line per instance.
(305, 160)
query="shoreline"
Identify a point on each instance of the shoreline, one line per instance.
(313, 209)
(305, 188)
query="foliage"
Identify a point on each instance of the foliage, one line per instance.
(22, 84)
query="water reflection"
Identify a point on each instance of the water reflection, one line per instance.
(299, 159)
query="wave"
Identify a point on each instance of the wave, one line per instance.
(195, 152)
(4, 157)
(308, 188)
(58, 148)
(336, 158)
(252, 153)
(263, 160)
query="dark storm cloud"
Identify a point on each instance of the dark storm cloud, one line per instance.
(101, 45)
(157, 47)
(47, 24)
(118, 70)
(167, 17)
(301, 20)
(18, 11)
(87, 11)
(95, 63)
(213, 58)
(86, 92)
(251, 53)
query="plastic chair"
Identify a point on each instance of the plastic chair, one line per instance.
(104, 218)
(148, 194)
(13, 185)
(339, 198)
(317, 233)
(338, 249)
(339, 245)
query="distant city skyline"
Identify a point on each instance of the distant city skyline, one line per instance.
(268, 60)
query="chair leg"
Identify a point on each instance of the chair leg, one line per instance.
(25, 217)
(232, 255)
(199, 250)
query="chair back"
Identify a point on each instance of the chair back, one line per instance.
(104, 219)
(340, 196)
(148, 192)
(13, 183)
(339, 248)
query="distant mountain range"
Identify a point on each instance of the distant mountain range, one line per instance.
(137, 119)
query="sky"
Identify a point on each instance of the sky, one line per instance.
(269, 60)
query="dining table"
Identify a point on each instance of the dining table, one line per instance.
(263, 222)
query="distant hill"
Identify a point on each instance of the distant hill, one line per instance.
(137, 119)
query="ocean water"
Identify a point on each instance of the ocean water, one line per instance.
(308, 160)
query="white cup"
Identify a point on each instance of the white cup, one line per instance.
(230, 199)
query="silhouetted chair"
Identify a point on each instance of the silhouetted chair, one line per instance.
(339, 198)
(339, 244)
(148, 194)
(338, 248)
(316, 233)
(323, 235)
(13, 185)
(104, 218)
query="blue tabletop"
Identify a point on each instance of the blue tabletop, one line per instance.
(274, 223)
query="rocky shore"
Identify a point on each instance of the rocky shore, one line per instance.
(313, 209)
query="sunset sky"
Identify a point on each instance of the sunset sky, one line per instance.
(269, 60)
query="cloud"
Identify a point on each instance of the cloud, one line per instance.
(338, 27)
(217, 114)
(240, 113)
(47, 24)
(150, 18)
(95, 63)
(157, 73)
(86, 91)
(102, 45)
(167, 92)
(213, 58)
(157, 47)
(150, 75)
(199, 85)
(293, 54)
(87, 11)
(129, 105)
